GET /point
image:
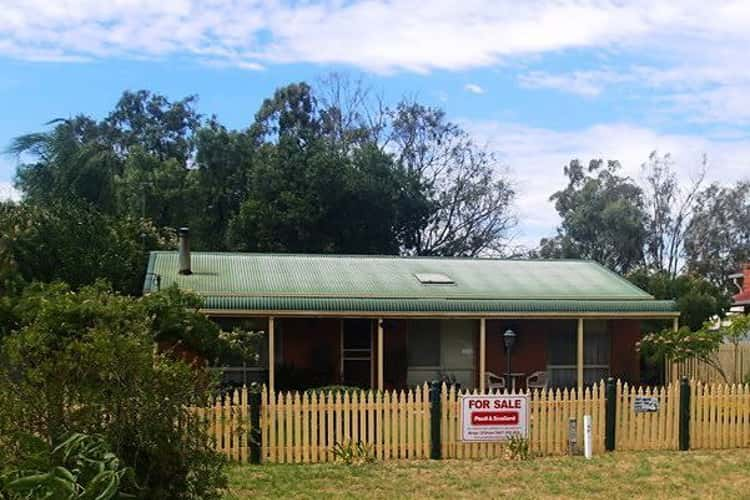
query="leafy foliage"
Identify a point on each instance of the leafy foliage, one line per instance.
(684, 344)
(316, 171)
(697, 299)
(84, 362)
(602, 215)
(352, 453)
(718, 239)
(519, 447)
(307, 194)
(75, 243)
(736, 328)
(81, 467)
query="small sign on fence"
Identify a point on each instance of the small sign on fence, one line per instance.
(493, 418)
(645, 404)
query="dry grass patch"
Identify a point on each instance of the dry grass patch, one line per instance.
(698, 474)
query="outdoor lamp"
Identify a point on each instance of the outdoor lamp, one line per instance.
(509, 337)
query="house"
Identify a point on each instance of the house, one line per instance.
(741, 300)
(394, 322)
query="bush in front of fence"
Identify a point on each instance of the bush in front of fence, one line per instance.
(352, 453)
(518, 447)
(85, 362)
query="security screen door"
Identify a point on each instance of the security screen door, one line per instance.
(356, 353)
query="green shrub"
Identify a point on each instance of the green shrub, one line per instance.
(350, 453)
(81, 467)
(84, 362)
(518, 447)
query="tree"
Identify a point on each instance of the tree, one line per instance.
(670, 211)
(603, 217)
(160, 190)
(70, 163)
(153, 124)
(329, 169)
(307, 193)
(351, 115)
(683, 345)
(467, 209)
(134, 162)
(718, 237)
(76, 244)
(736, 329)
(221, 182)
(698, 300)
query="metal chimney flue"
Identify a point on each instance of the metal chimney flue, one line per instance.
(184, 251)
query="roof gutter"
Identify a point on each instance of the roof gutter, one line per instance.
(223, 313)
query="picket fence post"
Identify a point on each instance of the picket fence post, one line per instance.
(255, 436)
(435, 414)
(684, 414)
(610, 414)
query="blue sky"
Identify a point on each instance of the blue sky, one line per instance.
(539, 81)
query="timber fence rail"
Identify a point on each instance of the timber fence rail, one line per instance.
(425, 422)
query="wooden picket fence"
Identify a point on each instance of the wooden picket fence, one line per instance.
(305, 427)
(550, 412)
(733, 359)
(228, 423)
(647, 431)
(719, 416)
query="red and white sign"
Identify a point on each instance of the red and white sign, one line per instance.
(493, 418)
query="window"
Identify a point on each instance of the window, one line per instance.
(434, 279)
(424, 343)
(562, 353)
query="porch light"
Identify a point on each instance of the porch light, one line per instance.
(509, 337)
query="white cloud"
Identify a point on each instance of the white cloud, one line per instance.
(473, 88)
(8, 192)
(713, 93)
(583, 83)
(380, 36)
(695, 49)
(536, 157)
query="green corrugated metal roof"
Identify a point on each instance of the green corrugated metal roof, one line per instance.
(382, 284)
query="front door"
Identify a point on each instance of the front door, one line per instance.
(356, 353)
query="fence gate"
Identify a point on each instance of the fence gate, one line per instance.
(644, 429)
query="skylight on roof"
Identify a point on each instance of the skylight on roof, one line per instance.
(434, 279)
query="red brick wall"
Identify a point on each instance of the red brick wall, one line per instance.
(624, 360)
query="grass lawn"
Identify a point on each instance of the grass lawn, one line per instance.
(696, 474)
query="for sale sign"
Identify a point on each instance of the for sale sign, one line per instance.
(493, 418)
